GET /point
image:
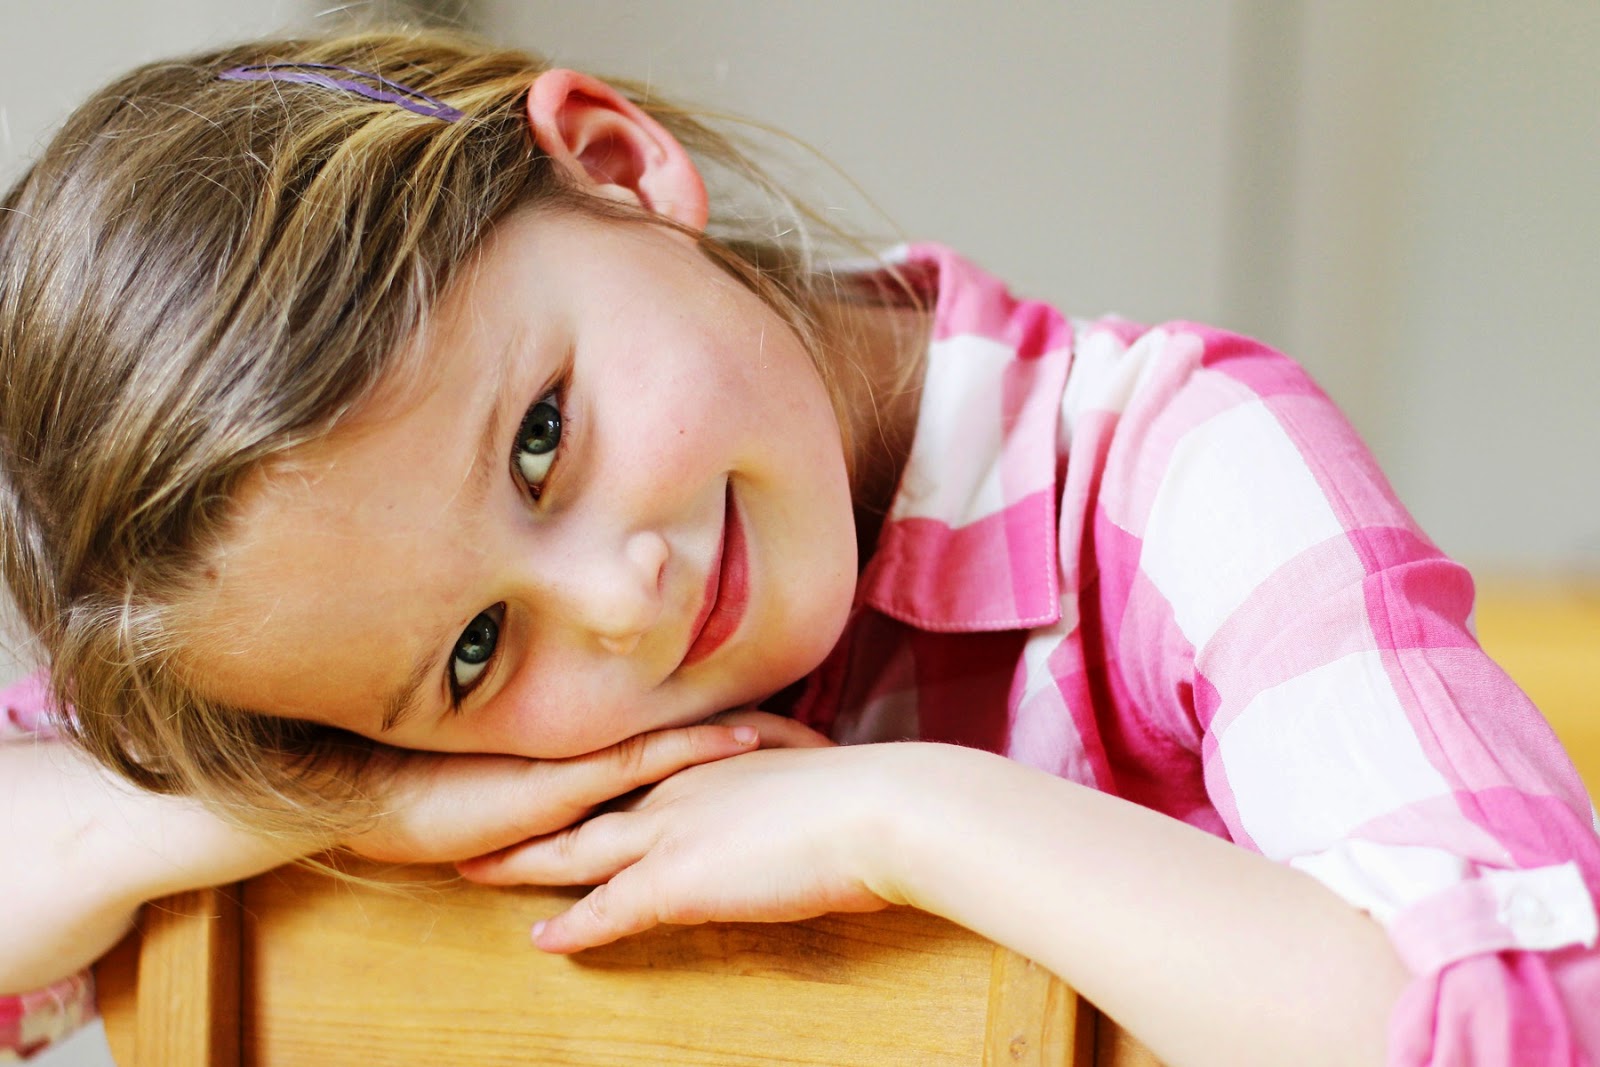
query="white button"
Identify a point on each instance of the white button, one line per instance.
(1522, 910)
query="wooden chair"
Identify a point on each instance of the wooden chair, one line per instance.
(296, 968)
(293, 968)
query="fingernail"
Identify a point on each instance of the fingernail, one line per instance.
(746, 735)
(538, 928)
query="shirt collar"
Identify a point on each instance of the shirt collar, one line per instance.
(969, 543)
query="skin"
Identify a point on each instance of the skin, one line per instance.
(681, 394)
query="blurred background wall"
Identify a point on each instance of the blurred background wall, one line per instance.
(1402, 194)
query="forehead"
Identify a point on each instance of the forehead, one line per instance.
(310, 608)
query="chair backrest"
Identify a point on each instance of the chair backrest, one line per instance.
(296, 968)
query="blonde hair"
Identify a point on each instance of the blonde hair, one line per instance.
(200, 275)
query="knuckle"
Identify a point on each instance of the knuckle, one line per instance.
(565, 845)
(633, 757)
(596, 907)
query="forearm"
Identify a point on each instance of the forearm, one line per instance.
(84, 851)
(1205, 951)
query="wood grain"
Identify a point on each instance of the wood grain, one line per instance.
(342, 974)
(116, 984)
(188, 1002)
(1035, 1019)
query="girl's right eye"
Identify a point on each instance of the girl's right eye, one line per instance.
(538, 441)
(474, 649)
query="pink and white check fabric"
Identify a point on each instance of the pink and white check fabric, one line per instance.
(1159, 562)
(30, 1022)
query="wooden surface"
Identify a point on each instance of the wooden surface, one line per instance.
(348, 975)
(1034, 1018)
(116, 983)
(186, 966)
(334, 973)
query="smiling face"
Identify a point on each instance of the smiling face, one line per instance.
(617, 501)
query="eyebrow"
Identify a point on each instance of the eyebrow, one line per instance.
(406, 699)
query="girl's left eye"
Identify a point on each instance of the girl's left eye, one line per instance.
(538, 439)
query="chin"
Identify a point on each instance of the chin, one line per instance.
(808, 640)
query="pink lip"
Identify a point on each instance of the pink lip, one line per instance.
(727, 590)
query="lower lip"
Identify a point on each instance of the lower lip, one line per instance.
(727, 591)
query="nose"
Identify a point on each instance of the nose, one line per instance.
(615, 592)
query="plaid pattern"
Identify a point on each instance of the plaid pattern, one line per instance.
(1159, 562)
(31, 1022)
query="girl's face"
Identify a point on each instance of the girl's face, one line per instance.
(617, 502)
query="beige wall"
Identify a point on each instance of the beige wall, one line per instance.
(54, 54)
(1446, 236)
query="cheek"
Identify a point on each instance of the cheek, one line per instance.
(569, 710)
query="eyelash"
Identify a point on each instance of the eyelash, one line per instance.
(553, 398)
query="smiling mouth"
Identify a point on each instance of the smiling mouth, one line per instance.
(727, 589)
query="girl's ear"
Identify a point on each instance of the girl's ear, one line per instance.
(606, 143)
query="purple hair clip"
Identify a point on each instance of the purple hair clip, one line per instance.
(323, 74)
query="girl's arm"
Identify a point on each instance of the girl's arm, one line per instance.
(1208, 953)
(83, 851)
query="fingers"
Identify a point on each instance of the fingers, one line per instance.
(776, 731)
(586, 854)
(609, 912)
(645, 759)
(602, 852)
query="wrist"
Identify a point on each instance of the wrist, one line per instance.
(919, 821)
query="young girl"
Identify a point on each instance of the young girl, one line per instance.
(403, 452)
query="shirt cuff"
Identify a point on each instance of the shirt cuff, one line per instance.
(30, 1022)
(1437, 911)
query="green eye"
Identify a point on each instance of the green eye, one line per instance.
(538, 439)
(474, 649)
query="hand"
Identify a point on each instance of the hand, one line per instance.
(769, 836)
(441, 807)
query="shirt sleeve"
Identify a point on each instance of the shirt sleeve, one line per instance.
(24, 709)
(31, 1022)
(1272, 607)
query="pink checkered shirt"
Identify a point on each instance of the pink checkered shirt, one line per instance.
(1159, 562)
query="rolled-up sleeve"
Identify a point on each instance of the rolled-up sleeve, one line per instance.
(1317, 648)
(31, 1022)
